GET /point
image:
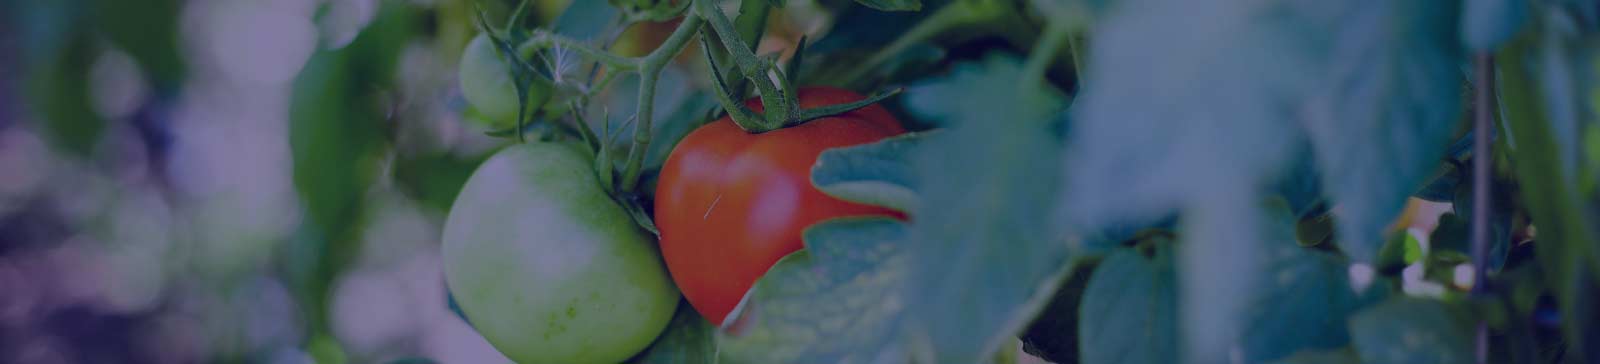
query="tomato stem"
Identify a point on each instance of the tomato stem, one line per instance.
(649, 68)
(774, 101)
(752, 21)
(742, 116)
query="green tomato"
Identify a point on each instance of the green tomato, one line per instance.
(487, 84)
(547, 266)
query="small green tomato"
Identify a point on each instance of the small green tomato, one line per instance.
(487, 84)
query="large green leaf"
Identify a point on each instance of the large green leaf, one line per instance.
(1187, 97)
(1190, 107)
(1412, 331)
(1184, 110)
(1297, 302)
(1544, 75)
(876, 174)
(833, 302)
(988, 253)
(336, 135)
(1129, 310)
(1388, 113)
(1302, 299)
(1182, 98)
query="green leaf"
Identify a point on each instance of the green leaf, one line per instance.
(1182, 100)
(1540, 72)
(893, 5)
(1389, 114)
(988, 251)
(1129, 310)
(1340, 356)
(833, 302)
(337, 134)
(1192, 106)
(688, 339)
(1302, 299)
(57, 86)
(1412, 330)
(878, 173)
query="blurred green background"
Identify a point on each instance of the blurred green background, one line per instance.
(236, 181)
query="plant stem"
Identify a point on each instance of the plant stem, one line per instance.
(649, 72)
(1481, 199)
(1056, 35)
(777, 106)
(742, 116)
(752, 21)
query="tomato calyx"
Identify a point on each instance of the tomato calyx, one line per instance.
(780, 103)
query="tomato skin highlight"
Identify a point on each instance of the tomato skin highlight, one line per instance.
(729, 204)
(548, 268)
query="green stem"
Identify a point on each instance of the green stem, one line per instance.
(1056, 35)
(776, 104)
(742, 116)
(752, 21)
(649, 72)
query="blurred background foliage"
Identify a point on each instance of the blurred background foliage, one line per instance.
(233, 181)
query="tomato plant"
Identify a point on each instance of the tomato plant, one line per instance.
(834, 181)
(730, 203)
(548, 267)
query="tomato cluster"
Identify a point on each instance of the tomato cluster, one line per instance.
(550, 268)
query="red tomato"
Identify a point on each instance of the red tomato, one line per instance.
(729, 204)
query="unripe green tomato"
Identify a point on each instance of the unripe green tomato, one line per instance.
(547, 266)
(487, 84)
